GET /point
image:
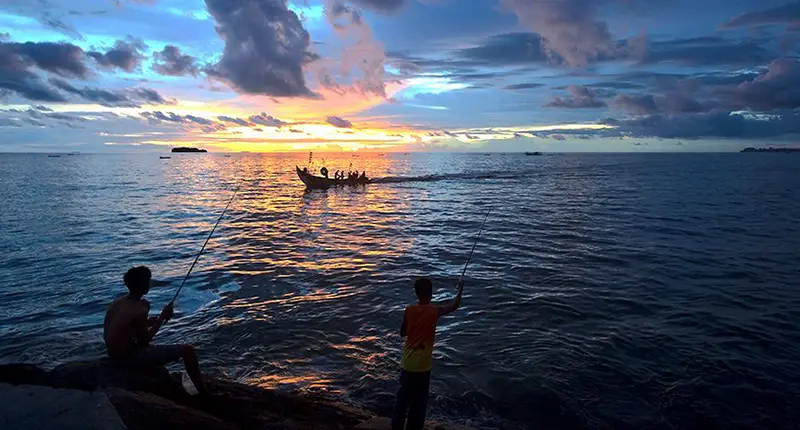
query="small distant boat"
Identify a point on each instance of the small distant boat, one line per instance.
(186, 149)
(74, 153)
(227, 156)
(164, 157)
(319, 183)
(53, 155)
(487, 154)
(533, 153)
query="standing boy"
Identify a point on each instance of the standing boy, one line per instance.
(419, 329)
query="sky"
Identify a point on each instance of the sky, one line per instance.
(399, 75)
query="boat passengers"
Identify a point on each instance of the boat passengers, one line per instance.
(324, 172)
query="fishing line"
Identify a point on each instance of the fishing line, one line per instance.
(474, 245)
(204, 244)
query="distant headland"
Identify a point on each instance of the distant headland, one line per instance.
(770, 149)
(185, 149)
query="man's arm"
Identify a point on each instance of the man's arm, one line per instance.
(455, 304)
(148, 328)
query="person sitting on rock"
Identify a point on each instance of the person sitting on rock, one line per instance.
(128, 331)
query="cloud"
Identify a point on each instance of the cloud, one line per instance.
(64, 59)
(507, 49)
(381, 5)
(122, 98)
(707, 51)
(777, 88)
(267, 120)
(788, 15)
(28, 85)
(361, 51)
(636, 104)
(234, 120)
(171, 62)
(266, 47)
(339, 122)
(124, 55)
(159, 116)
(523, 86)
(708, 125)
(580, 98)
(569, 29)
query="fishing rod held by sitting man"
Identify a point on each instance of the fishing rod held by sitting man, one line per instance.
(128, 331)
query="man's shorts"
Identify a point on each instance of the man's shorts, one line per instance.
(154, 355)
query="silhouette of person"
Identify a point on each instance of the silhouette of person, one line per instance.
(127, 331)
(419, 329)
(324, 171)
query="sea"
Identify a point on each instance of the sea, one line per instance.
(607, 291)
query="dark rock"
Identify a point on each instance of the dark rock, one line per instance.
(152, 398)
(23, 374)
(253, 407)
(147, 411)
(103, 373)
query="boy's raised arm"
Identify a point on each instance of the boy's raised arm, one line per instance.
(453, 305)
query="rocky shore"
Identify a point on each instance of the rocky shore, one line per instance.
(99, 395)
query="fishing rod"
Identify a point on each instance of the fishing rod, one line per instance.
(461, 278)
(204, 245)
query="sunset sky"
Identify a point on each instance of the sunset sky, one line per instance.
(399, 75)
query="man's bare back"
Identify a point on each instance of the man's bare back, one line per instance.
(125, 324)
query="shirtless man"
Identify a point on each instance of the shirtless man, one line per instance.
(127, 331)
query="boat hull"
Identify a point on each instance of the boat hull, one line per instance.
(319, 183)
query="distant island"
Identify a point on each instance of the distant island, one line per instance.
(751, 149)
(533, 153)
(184, 149)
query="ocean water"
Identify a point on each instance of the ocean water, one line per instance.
(607, 291)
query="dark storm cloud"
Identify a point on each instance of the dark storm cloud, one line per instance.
(266, 120)
(150, 96)
(96, 95)
(636, 104)
(706, 51)
(124, 55)
(523, 86)
(507, 49)
(122, 98)
(28, 85)
(788, 15)
(266, 47)
(580, 98)
(777, 88)
(380, 5)
(339, 122)
(63, 59)
(170, 61)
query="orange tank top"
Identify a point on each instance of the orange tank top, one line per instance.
(420, 327)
